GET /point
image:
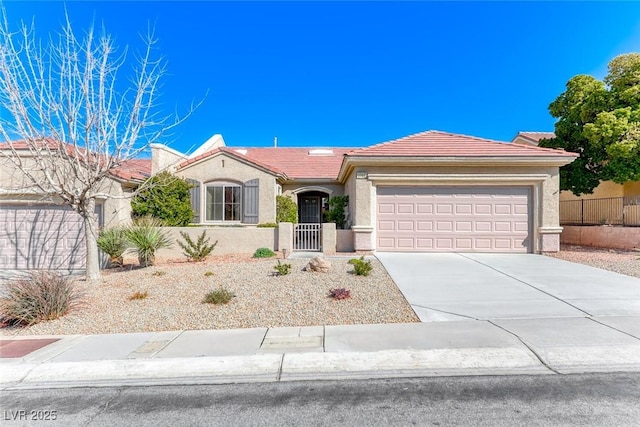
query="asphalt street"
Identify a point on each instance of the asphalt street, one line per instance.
(542, 400)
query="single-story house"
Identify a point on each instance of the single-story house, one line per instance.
(37, 231)
(431, 191)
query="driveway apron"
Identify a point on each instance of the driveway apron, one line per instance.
(456, 286)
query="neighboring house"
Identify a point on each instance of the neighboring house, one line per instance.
(38, 232)
(606, 189)
(432, 191)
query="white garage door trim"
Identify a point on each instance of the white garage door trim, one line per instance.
(41, 236)
(454, 219)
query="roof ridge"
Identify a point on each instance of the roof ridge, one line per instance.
(536, 131)
(432, 131)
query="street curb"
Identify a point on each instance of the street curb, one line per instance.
(272, 367)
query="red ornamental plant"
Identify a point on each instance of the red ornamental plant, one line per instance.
(340, 293)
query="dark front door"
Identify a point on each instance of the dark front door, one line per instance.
(310, 209)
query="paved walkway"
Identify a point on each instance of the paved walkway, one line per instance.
(524, 346)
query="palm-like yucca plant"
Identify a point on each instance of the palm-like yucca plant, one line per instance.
(147, 237)
(113, 242)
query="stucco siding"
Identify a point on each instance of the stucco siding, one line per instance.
(605, 190)
(16, 187)
(632, 188)
(227, 169)
(230, 239)
(294, 188)
(543, 182)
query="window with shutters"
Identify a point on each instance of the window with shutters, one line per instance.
(223, 202)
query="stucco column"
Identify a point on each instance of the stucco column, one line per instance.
(329, 238)
(549, 224)
(285, 236)
(364, 218)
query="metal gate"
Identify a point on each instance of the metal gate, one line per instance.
(307, 237)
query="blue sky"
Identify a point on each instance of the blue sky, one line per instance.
(359, 73)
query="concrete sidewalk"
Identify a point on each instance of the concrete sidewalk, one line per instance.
(472, 347)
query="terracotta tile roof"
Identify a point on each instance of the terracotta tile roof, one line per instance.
(535, 137)
(293, 163)
(442, 144)
(134, 169)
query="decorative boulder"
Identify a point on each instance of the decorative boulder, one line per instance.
(318, 264)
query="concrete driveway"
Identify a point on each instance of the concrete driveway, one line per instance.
(448, 286)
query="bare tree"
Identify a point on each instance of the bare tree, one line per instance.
(70, 116)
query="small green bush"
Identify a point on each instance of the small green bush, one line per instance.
(282, 269)
(286, 209)
(146, 237)
(199, 250)
(267, 225)
(337, 205)
(138, 295)
(38, 297)
(113, 242)
(263, 253)
(218, 296)
(360, 266)
(166, 197)
(209, 273)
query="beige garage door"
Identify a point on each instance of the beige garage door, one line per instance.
(453, 219)
(41, 237)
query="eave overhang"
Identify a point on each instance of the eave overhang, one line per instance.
(351, 162)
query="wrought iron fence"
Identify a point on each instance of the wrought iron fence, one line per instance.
(608, 211)
(307, 237)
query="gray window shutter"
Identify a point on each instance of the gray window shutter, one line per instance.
(194, 194)
(251, 201)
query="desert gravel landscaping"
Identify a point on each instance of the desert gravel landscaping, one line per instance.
(617, 260)
(176, 289)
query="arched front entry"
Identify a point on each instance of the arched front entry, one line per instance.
(312, 207)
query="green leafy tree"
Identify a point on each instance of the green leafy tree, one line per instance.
(600, 120)
(286, 210)
(337, 205)
(165, 197)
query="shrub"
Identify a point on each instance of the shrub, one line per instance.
(263, 253)
(218, 296)
(286, 209)
(282, 269)
(166, 197)
(340, 293)
(360, 266)
(138, 296)
(38, 297)
(267, 225)
(209, 273)
(146, 236)
(199, 250)
(337, 205)
(113, 242)
(159, 273)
